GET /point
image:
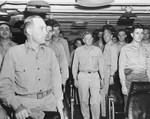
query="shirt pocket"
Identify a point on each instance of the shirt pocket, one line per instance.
(47, 71)
(21, 76)
(95, 58)
(82, 59)
(20, 69)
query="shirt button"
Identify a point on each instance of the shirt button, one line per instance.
(39, 79)
(38, 68)
(24, 70)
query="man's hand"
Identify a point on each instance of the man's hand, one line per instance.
(111, 80)
(22, 112)
(76, 83)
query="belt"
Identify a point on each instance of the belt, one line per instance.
(139, 71)
(36, 95)
(89, 72)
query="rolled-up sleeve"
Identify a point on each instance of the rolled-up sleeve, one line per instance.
(7, 81)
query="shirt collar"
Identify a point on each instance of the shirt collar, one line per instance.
(50, 43)
(109, 43)
(10, 43)
(135, 45)
(85, 47)
(29, 48)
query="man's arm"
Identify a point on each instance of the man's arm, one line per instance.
(56, 83)
(56, 77)
(101, 65)
(122, 61)
(75, 66)
(101, 69)
(63, 65)
(114, 59)
(7, 78)
(66, 48)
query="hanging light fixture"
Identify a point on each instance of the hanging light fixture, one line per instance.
(128, 14)
(128, 17)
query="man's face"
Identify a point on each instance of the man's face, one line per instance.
(49, 33)
(78, 43)
(56, 31)
(88, 39)
(107, 36)
(5, 31)
(137, 35)
(146, 34)
(121, 36)
(100, 34)
(39, 31)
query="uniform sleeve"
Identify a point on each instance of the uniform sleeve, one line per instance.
(147, 63)
(75, 65)
(63, 64)
(101, 64)
(56, 77)
(122, 61)
(1, 59)
(7, 81)
(66, 48)
(114, 59)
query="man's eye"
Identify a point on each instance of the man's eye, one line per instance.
(1, 29)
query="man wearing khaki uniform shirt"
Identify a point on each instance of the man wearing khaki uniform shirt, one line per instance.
(5, 38)
(30, 76)
(133, 62)
(110, 56)
(146, 43)
(88, 62)
(5, 44)
(57, 38)
(59, 51)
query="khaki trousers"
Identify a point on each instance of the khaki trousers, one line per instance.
(104, 91)
(89, 89)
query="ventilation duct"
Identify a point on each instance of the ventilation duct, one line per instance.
(4, 15)
(79, 25)
(94, 3)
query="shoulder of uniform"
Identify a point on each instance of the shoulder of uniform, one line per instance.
(58, 44)
(15, 48)
(79, 49)
(96, 48)
(63, 40)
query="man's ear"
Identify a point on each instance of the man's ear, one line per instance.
(83, 40)
(111, 36)
(132, 35)
(29, 31)
(10, 35)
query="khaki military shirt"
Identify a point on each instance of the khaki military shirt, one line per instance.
(87, 60)
(61, 57)
(110, 56)
(25, 71)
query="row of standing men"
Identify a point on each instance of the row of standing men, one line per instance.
(31, 78)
